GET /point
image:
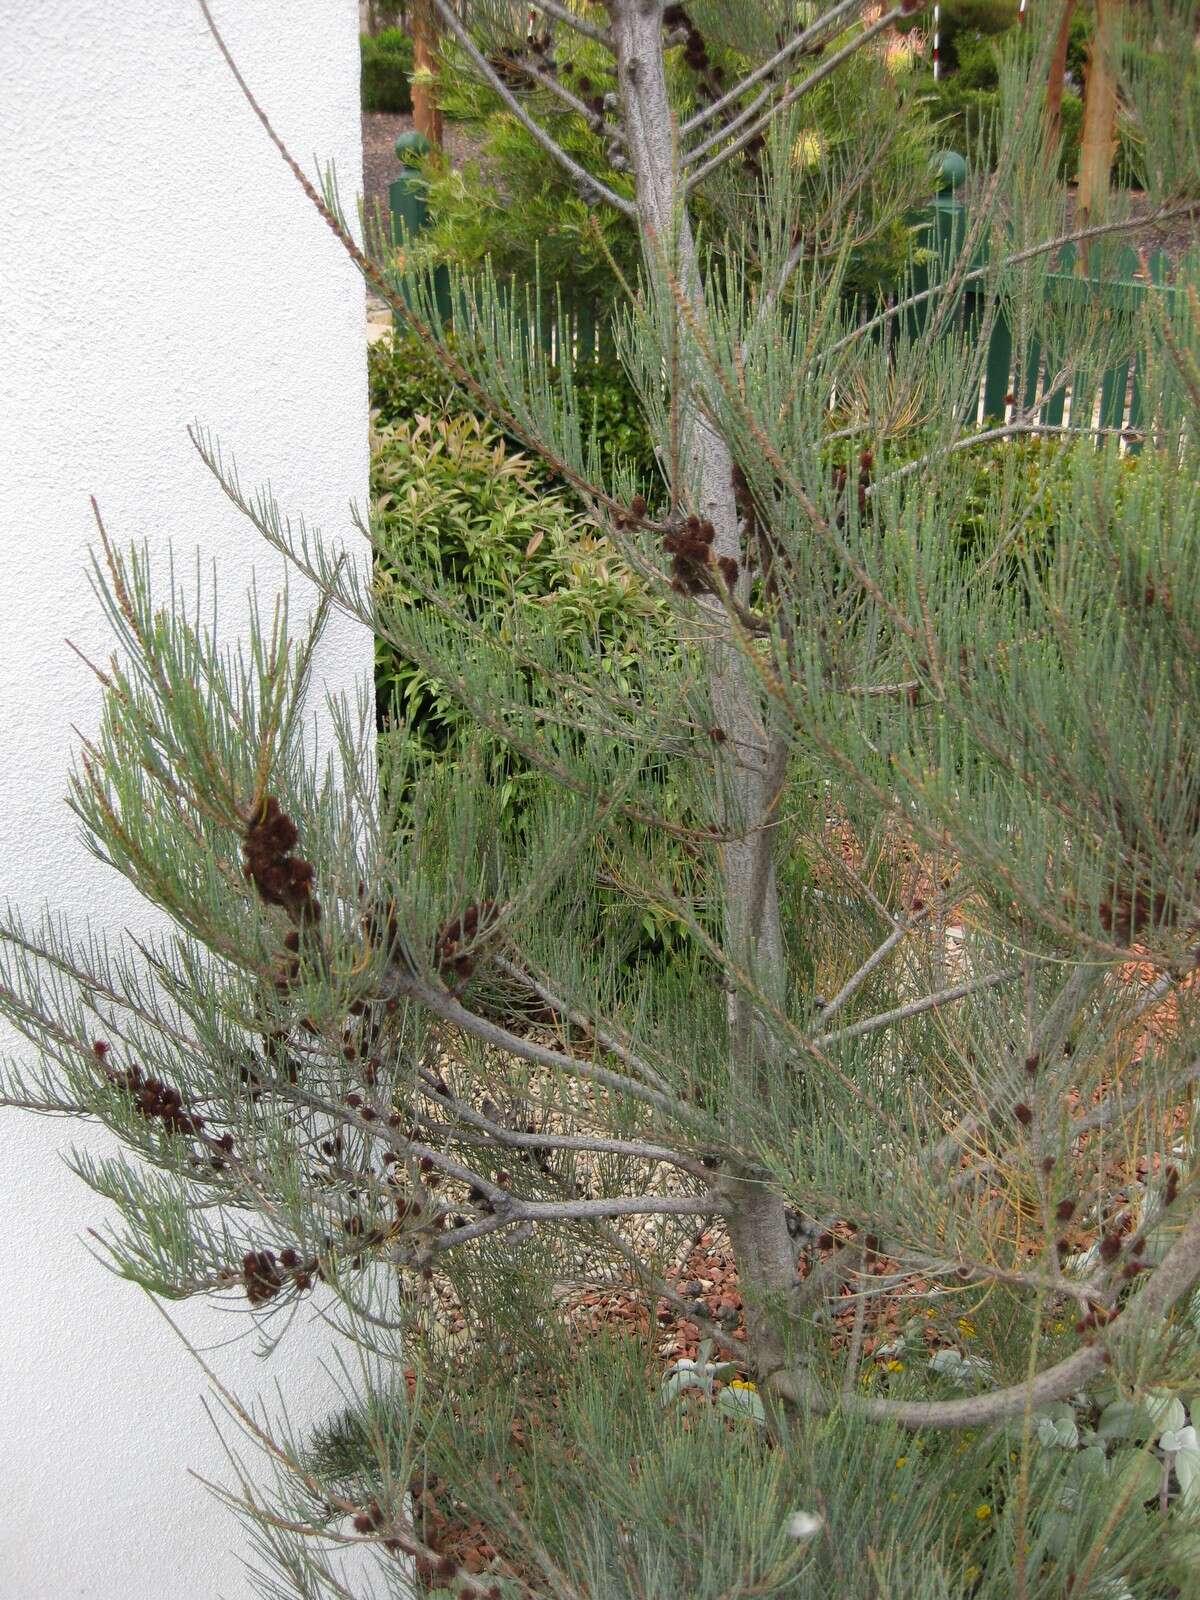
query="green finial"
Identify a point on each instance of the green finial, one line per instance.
(952, 171)
(411, 146)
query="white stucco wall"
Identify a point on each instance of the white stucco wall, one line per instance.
(157, 264)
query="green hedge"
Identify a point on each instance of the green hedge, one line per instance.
(387, 65)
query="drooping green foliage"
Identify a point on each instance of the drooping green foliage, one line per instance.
(906, 746)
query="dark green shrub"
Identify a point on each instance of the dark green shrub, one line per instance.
(965, 23)
(387, 64)
(966, 99)
(404, 382)
(967, 112)
(608, 397)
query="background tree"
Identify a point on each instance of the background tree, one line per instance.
(928, 812)
(1100, 109)
(1058, 72)
(427, 116)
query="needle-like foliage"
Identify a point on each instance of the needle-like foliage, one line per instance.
(924, 810)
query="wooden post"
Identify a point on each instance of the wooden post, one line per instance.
(1099, 110)
(426, 116)
(1058, 72)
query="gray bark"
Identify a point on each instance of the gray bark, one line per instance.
(750, 781)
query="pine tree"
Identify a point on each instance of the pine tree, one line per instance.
(923, 803)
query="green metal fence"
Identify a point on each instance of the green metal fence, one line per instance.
(1018, 376)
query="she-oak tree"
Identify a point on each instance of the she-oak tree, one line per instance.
(927, 807)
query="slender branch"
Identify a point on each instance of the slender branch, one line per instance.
(581, 1020)
(588, 182)
(779, 59)
(636, 1205)
(901, 929)
(1178, 1270)
(495, 1132)
(914, 1008)
(443, 1004)
(797, 92)
(549, 82)
(377, 1127)
(589, 30)
(453, 1237)
(1009, 430)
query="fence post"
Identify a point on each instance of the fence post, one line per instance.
(939, 230)
(410, 214)
(409, 211)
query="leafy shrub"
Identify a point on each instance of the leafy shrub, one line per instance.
(454, 501)
(964, 23)
(387, 64)
(405, 383)
(607, 396)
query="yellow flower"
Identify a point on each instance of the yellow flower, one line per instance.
(808, 149)
(982, 1513)
(971, 1573)
(895, 1366)
(966, 1327)
(739, 1383)
(901, 1461)
(1058, 1327)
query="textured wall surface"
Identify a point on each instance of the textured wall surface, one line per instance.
(157, 264)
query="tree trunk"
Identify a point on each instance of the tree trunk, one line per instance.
(426, 116)
(1099, 111)
(750, 760)
(1058, 72)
